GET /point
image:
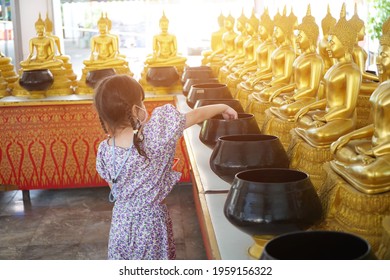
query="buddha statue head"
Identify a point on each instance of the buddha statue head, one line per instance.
(284, 27)
(266, 25)
(164, 23)
(327, 23)
(383, 57)
(252, 24)
(241, 22)
(48, 24)
(102, 25)
(308, 28)
(229, 22)
(221, 20)
(341, 33)
(358, 25)
(40, 25)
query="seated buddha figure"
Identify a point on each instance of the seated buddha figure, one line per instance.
(322, 122)
(215, 59)
(250, 46)
(263, 53)
(165, 49)
(239, 51)
(359, 55)
(104, 49)
(326, 24)
(58, 53)
(216, 39)
(282, 60)
(308, 70)
(41, 50)
(362, 156)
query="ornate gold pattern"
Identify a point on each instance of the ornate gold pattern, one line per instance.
(54, 146)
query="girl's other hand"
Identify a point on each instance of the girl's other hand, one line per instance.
(230, 114)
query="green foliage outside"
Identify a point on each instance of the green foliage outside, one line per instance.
(379, 12)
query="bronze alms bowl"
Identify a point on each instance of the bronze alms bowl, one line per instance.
(217, 126)
(193, 81)
(235, 153)
(317, 245)
(163, 76)
(207, 91)
(36, 80)
(234, 103)
(95, 76)
(197, 72)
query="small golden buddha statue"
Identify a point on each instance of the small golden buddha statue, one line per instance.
(326, 24)
(164, 55)
(362, 156)
(43, 47)
(324, 121)
(104, 49)
(104, 55)
(248, 58)
(308, 71)
(165, 48)
(216, 39)
(282, 60)
(42, 51)
(263, 60)
(359, 55)
(58, 53)
(215, 59)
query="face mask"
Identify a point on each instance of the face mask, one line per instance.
(145, 113)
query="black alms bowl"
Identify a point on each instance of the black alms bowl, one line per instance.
(272, 201)
(217, 126)
(207, 91)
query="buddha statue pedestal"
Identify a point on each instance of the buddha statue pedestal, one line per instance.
(3, 87)
(383, 252)
(232, 82)
(8, 73)
(257, 108)
(347, 209)
(274, 125)
(242, 94)
(307, 158)
(162, 79)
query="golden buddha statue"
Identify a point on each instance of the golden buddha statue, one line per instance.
(165, 49)
(362, 156)
(263, 65)
(164, 55)
(3, 85)
(104, 55)
(239, 51)
(308, 70)
(359, 55)
(58, 53)
(324, 121)
(215, 59)
(44, 49)
(282, 68)
(42, 56)
(216, 39)
(326, 24)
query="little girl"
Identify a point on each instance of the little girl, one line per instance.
(136, 161)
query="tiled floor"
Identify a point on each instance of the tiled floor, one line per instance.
(73, 224)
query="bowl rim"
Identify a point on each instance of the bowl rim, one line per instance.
(254, 135)
(305, 174)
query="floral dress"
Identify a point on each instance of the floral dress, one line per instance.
(141, 227)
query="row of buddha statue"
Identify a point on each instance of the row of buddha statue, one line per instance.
(45, 55)
(316, 95)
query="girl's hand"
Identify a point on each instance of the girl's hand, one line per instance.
(229, 114)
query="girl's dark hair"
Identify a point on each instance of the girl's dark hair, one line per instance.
(114, 99)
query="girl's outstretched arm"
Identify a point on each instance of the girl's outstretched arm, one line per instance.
(200, 114)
